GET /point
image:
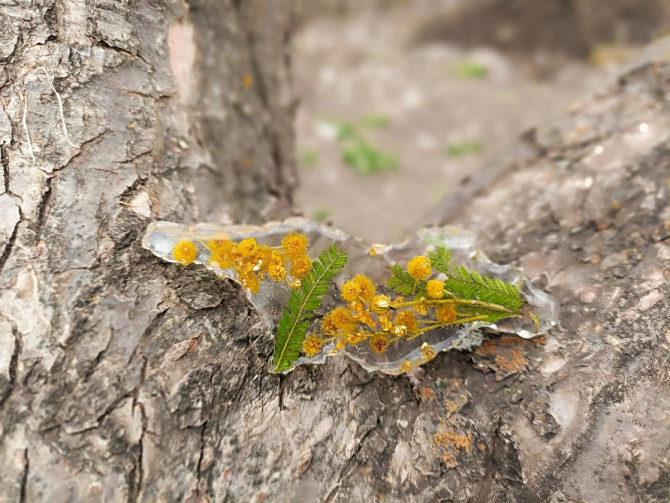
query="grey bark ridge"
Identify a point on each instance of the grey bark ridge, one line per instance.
(124, 378)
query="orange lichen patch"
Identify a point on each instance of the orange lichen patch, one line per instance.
(449, 444)
(248, 80)
(428, 393)
(505, 354)
(419, 267)
(451, 406)
(185, 251)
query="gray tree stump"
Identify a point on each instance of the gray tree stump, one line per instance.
(125, 378)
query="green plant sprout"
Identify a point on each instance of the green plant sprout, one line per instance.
(463, 148)
(471, 70)
(357, 151)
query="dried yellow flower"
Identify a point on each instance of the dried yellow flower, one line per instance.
(328, 325)
(250, 282)
(248, 247)
(435, 289)
(419, 267)
(359, 287)
(446, 313)
(277, 272)
(379, 343)
(300, 266)
(312, 345)
(343, 319)
(185, 251)
(380, 303)
(406, 319)
(295, 244)
(427, 352)
(356, 337)
(421, 308)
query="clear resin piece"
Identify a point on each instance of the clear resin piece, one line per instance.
(540, 313)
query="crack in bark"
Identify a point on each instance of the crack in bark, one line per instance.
(83, 147)
(136, 475)
(24, 477)
(10, 243)
(202, 453)
(4, 160)
(13, 363)
(43, 205)
(282, 378)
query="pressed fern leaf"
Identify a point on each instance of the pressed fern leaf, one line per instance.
(440, 259)
(472, 285)
(302, 303)
(401, 281)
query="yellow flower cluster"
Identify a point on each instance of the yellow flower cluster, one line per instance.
(378, 319)
(185, 251)
(253, 261)
(419, 267)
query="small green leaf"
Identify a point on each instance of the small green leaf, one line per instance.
(471, 70)
(440, 259)
(467, 147)
(466, 284)
(302, 304)
(373, 120)
(401, 281)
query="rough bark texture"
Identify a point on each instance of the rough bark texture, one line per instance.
(124, 378)
(175, 109)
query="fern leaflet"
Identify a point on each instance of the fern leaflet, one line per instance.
(472, 285)
(302, 303)
(401, 281)
(440, 259)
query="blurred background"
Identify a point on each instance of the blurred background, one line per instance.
(406, 102)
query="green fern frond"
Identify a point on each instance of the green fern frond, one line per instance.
(472, 285)
(302, 303)
(440, 259)
(401, 281)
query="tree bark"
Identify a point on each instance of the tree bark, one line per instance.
(125, 378)
(173, 110)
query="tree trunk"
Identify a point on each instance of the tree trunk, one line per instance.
(173, 110)
(125, 378)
